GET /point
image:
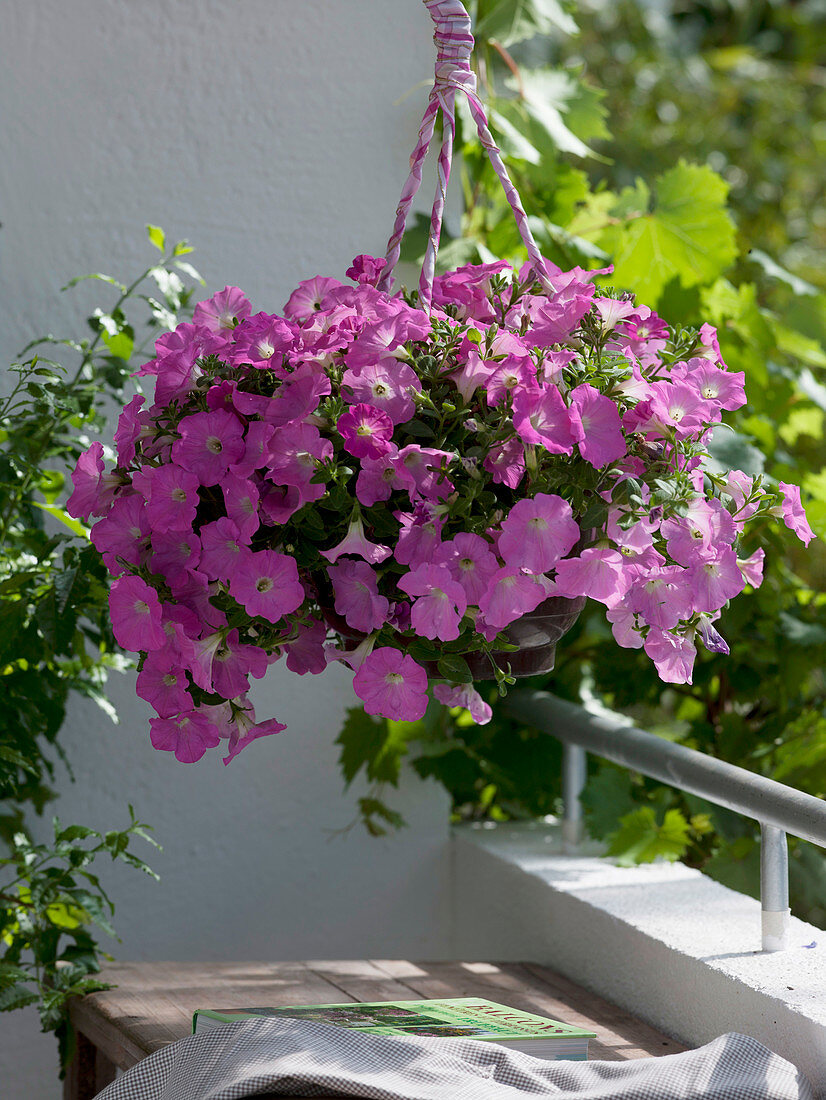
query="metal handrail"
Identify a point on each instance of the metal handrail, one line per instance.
(779, 809)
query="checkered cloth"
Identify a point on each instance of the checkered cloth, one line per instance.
(282, 1057)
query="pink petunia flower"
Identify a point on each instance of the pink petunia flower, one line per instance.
(541, 416)
(537, 532)
(163, 684)
(307, 298)
(296, 451)
(441, 601)
(261, 341)
(241, 502)
(661, 598)
(624, 627)
(427, 466)
(188, 735)
(256, 449)
(174, 553)
(419, 535)
(222, 311)
(94, 489)
(220, 549)
(713, 582)
(752, 567)
(379, 477)
(123, 534)
(511, 593)
(366, 269)
(471, 563)
(267, 584)
(612, 311)
(506, 463)
(391, 684)
(366, 431)
(130, 426)
(306, 653)
(233, 662)
(672, 655)
(386, 386)
(723, 388)
(279, 502)
(210, 443)
(171, 495)
(793, 514)
(136, 615)
(357, 596)
(554, 319)
(597, 572)
(356, 543)
(601, 441)
(245, 730)
(464, 695)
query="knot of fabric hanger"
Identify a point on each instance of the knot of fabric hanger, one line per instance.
(454, 45)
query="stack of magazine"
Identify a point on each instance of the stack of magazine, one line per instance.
(465, 1017)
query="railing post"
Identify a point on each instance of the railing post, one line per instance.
(574, 776)
(774, 888)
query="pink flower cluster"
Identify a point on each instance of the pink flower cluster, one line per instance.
(357, 481)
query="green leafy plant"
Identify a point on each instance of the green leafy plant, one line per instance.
(55, 633)
(49, 900)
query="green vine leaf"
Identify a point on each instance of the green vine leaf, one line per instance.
(640, 839)
(687, 235)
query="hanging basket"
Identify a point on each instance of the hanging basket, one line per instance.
(424, 486)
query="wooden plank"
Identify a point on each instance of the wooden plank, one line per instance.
(154, 1002)
(362, 980)
(638, 1038)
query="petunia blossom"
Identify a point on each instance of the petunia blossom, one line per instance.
(511, 593)
(391, 684)
(136, 615)
(793, 514)
(598, 572)
(366, 431)
(471, 562)
(171, 495)
(441, 601)
(267, 584)
(537, 532)
(464, 695)
(245, 730)
(221, 312)
(356, 543)
(713, 582)
(542, 417)
(386, 386)
(188, 735)
(601, 441)
(164, 685)
(357, 597)
(210, 442)
(306, 652)
(94, 488)
(673, 655)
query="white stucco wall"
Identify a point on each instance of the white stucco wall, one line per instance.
(268, 133)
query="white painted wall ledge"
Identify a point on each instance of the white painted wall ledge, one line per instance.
(664, 941)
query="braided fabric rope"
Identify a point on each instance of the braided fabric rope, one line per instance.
(454, 45)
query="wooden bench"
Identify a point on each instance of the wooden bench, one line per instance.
(152, 1003)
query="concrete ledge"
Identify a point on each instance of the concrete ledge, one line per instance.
(662, 940)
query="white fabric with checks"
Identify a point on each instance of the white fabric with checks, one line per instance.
(282, 1057)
